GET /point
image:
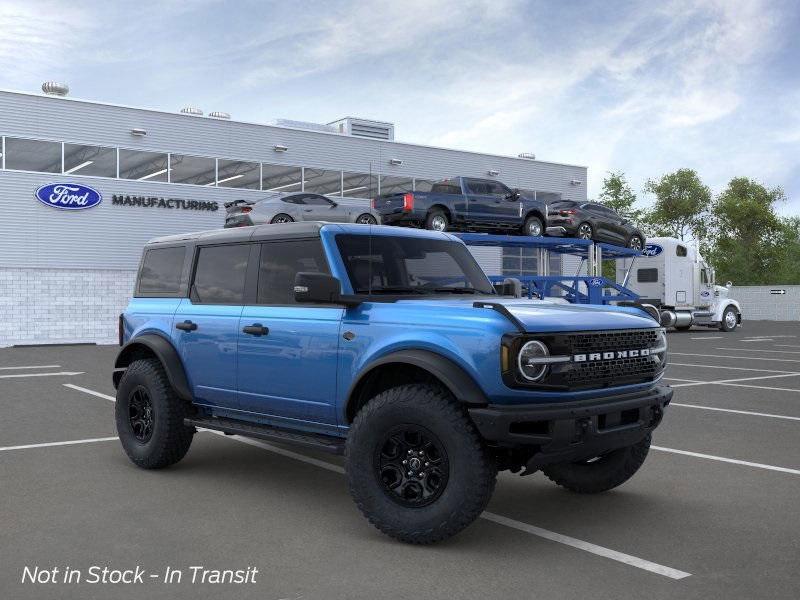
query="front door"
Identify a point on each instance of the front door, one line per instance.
(480, 203)
(288, 353)
(319, 208)
(206, 325)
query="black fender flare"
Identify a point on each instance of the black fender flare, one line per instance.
(458, 381)
(165, 352)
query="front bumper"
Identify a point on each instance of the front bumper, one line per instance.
(572, 431)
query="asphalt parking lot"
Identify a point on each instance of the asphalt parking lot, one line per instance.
(712, 514)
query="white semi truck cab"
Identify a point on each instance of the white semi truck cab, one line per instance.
(673, 277)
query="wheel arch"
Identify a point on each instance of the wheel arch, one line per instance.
(535, 212)
(152, 345)
(444, 208)
(411, 366)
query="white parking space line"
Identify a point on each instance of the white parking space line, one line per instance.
(707, 337)
(738, 412)
(31, 367)
(63, 373)
(760, 350)
(518, 525)
(756, 340)
(761, 387)
(587, 547)
(787, 346)
(727, 460)
(50, 444)
(672, 364)
(692, 382)
(748, 358)
(88, 391)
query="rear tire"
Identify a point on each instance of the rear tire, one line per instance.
(282, 218)
(450, 476)
(149, 416)
(636, 242)
(730, 320)
(437, 220)
(584, 232)
(533, 227)
(367, 219)
(600, 474)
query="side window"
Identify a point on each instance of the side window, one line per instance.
(446, 187)
(477, 187)
(680, 251)
(315, 200)
(281, 262)
(703, 276)
(647, 275)
(497, 189)
(161, 271)
(294, 199)
(219, 275)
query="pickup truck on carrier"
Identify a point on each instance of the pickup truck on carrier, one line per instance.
(465, 203)
(389, 346)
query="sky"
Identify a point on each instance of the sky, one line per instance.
(639, 87)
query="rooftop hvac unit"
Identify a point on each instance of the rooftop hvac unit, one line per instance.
(376, 130)
(53, 88)
(527, 155)
(192, 110)
(219, 115)
(303, 125)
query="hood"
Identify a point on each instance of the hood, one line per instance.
(721, 291)
(540, 316)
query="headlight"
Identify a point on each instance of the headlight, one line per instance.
(532, 360)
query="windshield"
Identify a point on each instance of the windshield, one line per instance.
(413, 266)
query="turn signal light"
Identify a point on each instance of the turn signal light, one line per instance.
(570, 211)
(408, 202)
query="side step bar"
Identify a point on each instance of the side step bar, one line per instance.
(315, 441)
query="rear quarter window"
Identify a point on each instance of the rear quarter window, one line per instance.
(161, 271)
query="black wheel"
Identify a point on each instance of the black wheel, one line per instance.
(282, 218)
(150, 416)
(635, 242)
(367, 219)
(533, 227)
(601, 473)
(585, 231)
(417, 468)
(437, 220)
(729, 319)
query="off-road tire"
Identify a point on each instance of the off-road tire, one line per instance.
(471, 472)
(170, 438)
(281, 218)
(531, 222)
(607, 472)
(436, 213)
(723, 326)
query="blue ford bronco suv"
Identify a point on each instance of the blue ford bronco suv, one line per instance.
(389, 346)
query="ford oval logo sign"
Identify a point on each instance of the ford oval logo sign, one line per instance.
(68, 196)
(652, 250)
(595, 282)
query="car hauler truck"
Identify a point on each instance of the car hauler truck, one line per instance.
(673, 277)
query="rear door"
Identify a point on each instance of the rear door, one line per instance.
(206, 325)
(288, 352)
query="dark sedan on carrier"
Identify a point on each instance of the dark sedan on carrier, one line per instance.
(593, 221)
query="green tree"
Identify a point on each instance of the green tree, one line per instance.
(751, 244)
(681, 206)
(618, 195)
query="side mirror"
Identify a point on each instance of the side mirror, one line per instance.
(334, 204)
(319, 288)
(514, 195)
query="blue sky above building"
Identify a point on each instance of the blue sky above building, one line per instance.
(644, 88)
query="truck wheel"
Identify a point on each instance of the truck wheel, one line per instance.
(150, 416)
(729, 320)
(533, 227)
(601, 473)
(436, 221)
(417, 468)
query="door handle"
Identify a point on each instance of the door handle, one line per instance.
(307, 209)
(255, 329)
(186, 326)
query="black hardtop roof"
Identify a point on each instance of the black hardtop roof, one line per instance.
(243, 234)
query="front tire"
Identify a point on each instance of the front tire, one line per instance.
(149, 416)
(447, 478)
(602, 473)
(729, 320)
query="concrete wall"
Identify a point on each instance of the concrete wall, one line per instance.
(759, 304)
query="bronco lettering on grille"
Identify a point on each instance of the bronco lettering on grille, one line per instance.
(596, 356)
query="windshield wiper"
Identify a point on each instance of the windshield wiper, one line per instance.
(396, 289)
(456, 290)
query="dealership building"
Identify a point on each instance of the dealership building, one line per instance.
(65, 275)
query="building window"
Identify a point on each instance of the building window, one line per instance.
(396, 185)
(321, 181)
(279, 178)
(143, 166)
(359, 185)
(90, 160)
(195, 170)
(423, 185)
(238, 174)
(33, 155)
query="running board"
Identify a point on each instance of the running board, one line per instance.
(316, 441)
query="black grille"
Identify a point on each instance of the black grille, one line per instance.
(607, 341)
